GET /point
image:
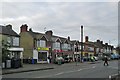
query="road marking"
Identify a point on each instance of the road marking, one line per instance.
(66, 72)
(109, 76)
(59, 73)
(93, 66)
(113, 67)
(79, 69)
(70, 71)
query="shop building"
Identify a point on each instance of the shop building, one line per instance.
(40, 46)
(10, 38)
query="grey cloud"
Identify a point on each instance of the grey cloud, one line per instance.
(65, 19)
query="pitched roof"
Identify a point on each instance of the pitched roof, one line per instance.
(99, 44)
(90, 44)
(38, 35)
(74, 42)
(7, 31)
(61, 38)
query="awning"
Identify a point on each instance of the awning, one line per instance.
(16, 49)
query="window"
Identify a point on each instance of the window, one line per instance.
(65, 46)
(56, 45)
(15, 41)
(69, 46)
(90, 48)
(97, 49)
(9, 40)
(41, 43)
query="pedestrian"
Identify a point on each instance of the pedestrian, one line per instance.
(50, 59)
(106, 61)
(92, 59)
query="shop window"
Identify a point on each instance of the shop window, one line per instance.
(42, 56)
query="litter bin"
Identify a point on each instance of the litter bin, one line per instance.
(15, 63)
(3, 65)
(8, 63)
(32, 61)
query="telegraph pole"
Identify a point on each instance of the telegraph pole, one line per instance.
(81, 43)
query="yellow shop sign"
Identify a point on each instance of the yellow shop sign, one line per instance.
(42, 48)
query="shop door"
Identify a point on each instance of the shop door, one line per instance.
(42, 56)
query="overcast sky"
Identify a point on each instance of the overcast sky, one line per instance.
(100, 19)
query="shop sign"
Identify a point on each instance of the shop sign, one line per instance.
(42, 48)
(58, 50)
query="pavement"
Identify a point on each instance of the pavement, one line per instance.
(37, 67)
(28, 68)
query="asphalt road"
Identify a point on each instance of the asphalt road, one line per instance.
(70, 70)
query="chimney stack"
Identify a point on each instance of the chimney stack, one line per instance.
(106, 44)
(24, 28)
(49, 33)
(86, 38)
(101, 42)
(30, 29)
(9, 26)
(69, 38)
(98, 41)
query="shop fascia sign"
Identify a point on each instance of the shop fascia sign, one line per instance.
(55, 50)
(42, 48)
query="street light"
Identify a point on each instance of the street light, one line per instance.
(81, 43)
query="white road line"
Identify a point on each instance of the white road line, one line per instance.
(70, 71)
(93, 66)
(59, 73)
(79, 69)
(66, 72)
(113, 67)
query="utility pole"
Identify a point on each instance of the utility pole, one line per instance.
(81, 43)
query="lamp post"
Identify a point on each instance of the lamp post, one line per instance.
(81, 43)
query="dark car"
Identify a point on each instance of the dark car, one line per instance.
(66, 60)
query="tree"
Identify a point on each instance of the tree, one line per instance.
(5, 51)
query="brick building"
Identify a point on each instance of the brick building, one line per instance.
(39, 46)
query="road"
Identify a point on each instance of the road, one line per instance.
(70, 70)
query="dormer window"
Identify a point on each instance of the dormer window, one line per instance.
(56, 45)
(41, 43)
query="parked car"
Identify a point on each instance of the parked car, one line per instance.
(115, 56)
(66, 60)
(59, 59)
(109, 58)
(96, 58)
(86, 58)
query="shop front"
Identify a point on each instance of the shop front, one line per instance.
(41, 54)
(15, 58)
(63, 54)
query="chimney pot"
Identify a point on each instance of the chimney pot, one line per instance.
(24, 28)
(86, 38)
